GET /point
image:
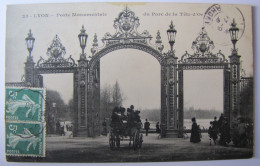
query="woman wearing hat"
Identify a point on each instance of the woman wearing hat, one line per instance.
(195, 134)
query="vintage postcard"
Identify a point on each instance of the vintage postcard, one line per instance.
(128, 82)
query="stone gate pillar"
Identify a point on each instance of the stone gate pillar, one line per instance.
(29, 72)
(76, 101)
(94, 100)
(226, 73)
(163, 99)
(234, 86)
(171, 72)
(81, 83)
(180, 99)
(38, 78)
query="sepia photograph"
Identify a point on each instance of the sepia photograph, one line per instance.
(120, 82)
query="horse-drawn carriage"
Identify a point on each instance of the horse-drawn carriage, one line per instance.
(126, 128)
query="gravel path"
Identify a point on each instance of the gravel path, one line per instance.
(64, 149)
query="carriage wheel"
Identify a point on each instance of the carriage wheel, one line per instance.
(111, 141)
(136, 140)
(140, 140)
(118, 141)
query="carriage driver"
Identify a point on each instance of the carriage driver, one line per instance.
(123, 116)
(115, 118)
(130, 116)
(133, 117)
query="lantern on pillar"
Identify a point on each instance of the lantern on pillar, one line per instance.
(234, 33)
(30, 42)
(171, 35)
(83, 39)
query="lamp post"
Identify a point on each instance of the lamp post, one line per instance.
(29, 64)
(234, 35)
(83, 76)
(30, 42)
(234, 74)
(171, 35)
(83, 40)
(170, 117)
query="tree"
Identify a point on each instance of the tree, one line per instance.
(105, 101)
(117, 95)
(106, 94)
(70, 112)
(55, 110)
(109, 98)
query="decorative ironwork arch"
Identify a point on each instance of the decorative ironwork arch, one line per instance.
(56, 63)
(110, 48)
(126, 25)
(203, 58)
(198, 59)
(126, 36)
(87, 73)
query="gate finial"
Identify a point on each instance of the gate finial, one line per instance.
(94, 49)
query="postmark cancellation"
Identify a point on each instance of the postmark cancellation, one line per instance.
(25, 122)
(25, 139)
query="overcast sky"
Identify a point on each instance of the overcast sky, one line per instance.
(138, 73)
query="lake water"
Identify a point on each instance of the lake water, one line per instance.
(204, 123)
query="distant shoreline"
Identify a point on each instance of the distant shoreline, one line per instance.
(154, 114)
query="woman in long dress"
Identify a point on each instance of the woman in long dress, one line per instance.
(195, 134)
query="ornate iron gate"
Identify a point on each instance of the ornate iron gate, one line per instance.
(203, 59)
(87, 73)
(125, 37)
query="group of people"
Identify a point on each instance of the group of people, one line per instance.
(219, 128)
(242, 132)
(123, 122)
(63, 128)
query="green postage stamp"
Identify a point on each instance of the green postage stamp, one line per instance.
(24, 104)
(25, 122)
(25, 139)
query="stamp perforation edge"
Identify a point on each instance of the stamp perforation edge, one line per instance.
(43, 104)
(31, 155)
(32, 122)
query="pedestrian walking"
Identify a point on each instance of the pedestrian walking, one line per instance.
(158, 130)
(224, 133)
(213, 134)
(62, 130)
(146, 126)
(215, 122)
(195, 132)
(104, 124)
(58, 131)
